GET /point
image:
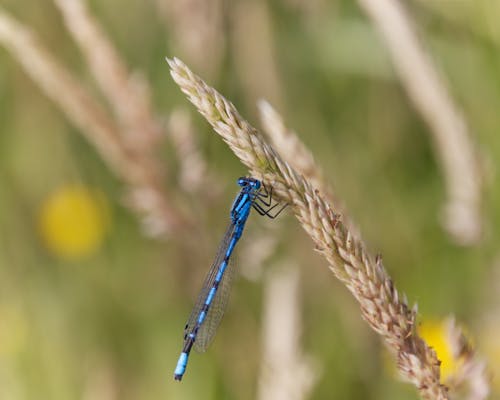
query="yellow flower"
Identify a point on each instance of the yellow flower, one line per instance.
(435, 333)
(73, 221)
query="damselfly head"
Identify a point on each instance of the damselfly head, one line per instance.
(249, 182)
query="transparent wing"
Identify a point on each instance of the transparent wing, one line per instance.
(207, 285)
(216, 311)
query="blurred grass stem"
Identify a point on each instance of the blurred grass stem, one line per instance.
(452, 142)
(134, 166)
(286, 374)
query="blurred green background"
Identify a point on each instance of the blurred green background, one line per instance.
(92, 308)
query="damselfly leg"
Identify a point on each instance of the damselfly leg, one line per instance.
(263, 200)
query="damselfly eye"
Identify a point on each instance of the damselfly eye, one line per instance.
(255, 183)
(243, 181)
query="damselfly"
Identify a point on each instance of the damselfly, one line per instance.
(212, 300)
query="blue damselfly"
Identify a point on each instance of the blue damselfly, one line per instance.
(212, 300)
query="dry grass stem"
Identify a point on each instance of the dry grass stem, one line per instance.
(472, 373)
(102, 382)
(426, 89)
(129, 95)
(286, 374)
(91, 118)
(64, 90)
(258, 250)
(291, 149)
(253, 50)
(193, 174)
(203, 46)
(362, 273)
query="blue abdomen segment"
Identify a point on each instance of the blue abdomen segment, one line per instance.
(181, 366)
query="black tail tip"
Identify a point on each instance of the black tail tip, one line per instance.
(178, 377)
